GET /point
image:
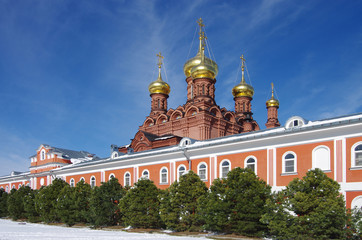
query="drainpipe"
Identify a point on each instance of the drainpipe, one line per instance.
(184, 152)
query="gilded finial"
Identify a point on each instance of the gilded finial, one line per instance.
(202, 35)
(242, 68)
(272, 102)
(159, 86)
(160, 57)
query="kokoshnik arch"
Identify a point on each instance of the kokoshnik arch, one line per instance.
(209, 140)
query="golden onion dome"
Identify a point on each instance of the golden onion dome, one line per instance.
(201, 66)
(206, 69)
(193, 62)
(243, 89)
(159, 86)
(272, 102)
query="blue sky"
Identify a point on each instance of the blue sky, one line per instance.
(74, 74)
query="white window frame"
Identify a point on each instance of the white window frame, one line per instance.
(178, 171)
(42, 181)
(72, 182)
(295, 162)
(143, 174)
(7, 189)
(164, 168)
(19, 186)
(125, 178)
(255, 163)
(82, 178)
(111, 175)
(221, 167)
(42, 154)
(353, 155)
(114, 155)
(314, 158)
(91, 182)
(206, 172)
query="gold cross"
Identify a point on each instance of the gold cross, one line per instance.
(242, 61)
(160, 57)
(201, 23)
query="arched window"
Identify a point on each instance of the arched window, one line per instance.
(19, 186)
(14, 187)
(224, 168)
(82, 179)
(250, 162)
(114, 155)
(72, 182)
(202, 170)
(111, 176)
(42, 154)
(164, 175)
(7, 189)
(321, 158)
(357, 202)
(289, 163)
(42, 181)
(181, 171)
(127, 179)
(357, 155)
(93, 181)
(145, 174)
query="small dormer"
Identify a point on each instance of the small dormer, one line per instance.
(295, 122)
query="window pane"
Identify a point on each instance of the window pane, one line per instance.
(251, 166)
(289, 156)
(358, 158)
(289, 166)
(224, 172)
(358, 148)
(250, 160)
(226, 163)
(164, 177)
(202, 174)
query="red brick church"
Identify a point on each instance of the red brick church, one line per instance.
(209, 140)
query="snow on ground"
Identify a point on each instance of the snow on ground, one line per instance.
(10, 230)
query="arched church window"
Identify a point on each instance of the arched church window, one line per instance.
(93, 181)
(225, 168)
(357, 155)
(251, 163)
(181, 171)
(72, 183)
(127, 179)
(164, 175)
(145, 174)
(289, 163)
(321, 158)
(202, 170)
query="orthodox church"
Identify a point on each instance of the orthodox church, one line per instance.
(209, 140)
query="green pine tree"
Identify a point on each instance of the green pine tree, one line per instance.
(179, 203)
(29, 206)
(103, 205)
(140, 206)
(16, 204)
(65, 206)
(236, 204)
(309, 208)
(81, 201)
(354, 223)
(46, 199)
(3, 203)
